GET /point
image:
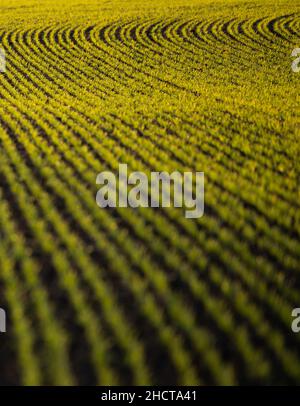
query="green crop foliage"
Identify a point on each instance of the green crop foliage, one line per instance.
(146, 296)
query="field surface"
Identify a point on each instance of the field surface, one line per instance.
(145, 296)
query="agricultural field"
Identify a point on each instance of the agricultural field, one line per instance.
(146, 296)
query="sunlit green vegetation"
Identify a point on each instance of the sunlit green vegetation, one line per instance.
(145, 296)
